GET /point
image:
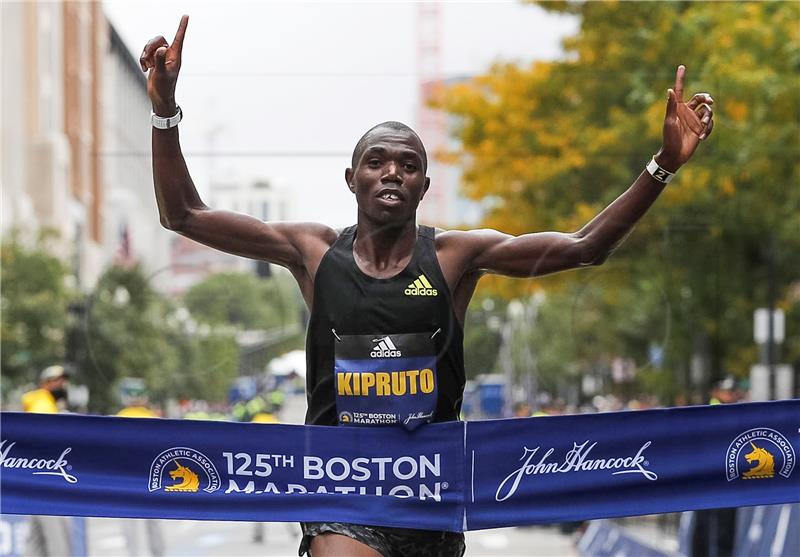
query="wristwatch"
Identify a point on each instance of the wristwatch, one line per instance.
(166, 123)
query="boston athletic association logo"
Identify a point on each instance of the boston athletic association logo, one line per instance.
(345, 417)
(758, 454)
(182, 469)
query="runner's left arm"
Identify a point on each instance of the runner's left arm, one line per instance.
(529, 255)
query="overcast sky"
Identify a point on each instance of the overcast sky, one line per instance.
(310, 78)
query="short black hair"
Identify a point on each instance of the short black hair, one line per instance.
(391, 125)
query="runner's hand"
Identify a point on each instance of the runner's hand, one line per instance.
(685, 125)
(164, 62)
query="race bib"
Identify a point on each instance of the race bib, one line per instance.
(385, 379)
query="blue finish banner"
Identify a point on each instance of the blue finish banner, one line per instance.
(155, 468)
(451, 476)
(559, 469)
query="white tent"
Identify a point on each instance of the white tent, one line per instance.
(291, 362)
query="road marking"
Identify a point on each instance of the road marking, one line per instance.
(209, 540)
(111, 542)
(493, 541)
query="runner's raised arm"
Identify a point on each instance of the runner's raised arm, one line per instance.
(686, 123)
(297, 246)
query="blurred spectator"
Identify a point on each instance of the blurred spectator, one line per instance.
(276, 398)
(259, 529)
(51, 396)
(256, 405)
(714, 530)
(265, 418)
(239, 411)
(725, 392)
(138, 407)
(522, 410)
(48, 535)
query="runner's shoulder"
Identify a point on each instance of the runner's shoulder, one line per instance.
(310, 240)
(309, 234)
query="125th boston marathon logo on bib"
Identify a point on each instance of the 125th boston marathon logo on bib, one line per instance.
(759, 454)
(385, 379)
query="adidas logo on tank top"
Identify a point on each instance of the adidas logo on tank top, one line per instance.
(421, 287)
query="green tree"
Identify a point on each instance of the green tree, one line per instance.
(34, 302)
(243, 300)
(482, 335)
(125, 333)
(213, 364)
(548, 145)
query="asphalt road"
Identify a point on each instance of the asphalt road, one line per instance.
(185, 538)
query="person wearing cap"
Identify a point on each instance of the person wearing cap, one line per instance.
(52, 389)
(139, 533)
(48, 535)
(138, 406)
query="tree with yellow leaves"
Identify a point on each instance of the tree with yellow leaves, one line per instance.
(549, 145)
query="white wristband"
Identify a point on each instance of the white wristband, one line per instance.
(660, 174)
(166, 123)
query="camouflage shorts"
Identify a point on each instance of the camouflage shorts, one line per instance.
(390, 542)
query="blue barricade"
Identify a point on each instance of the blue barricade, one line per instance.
(604, 539)
(14, 535)
(772, 530)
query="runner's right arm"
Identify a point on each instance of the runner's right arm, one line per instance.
(296, 246)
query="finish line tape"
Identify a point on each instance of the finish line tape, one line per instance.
(450, 476)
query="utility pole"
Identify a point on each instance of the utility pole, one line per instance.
(771, 321)
(770, 380)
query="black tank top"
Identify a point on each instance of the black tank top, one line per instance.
(349, 302)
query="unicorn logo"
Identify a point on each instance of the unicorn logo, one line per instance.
(345, 417)
(765, 467)
(202, 475)
(189, 480)
(760, 453)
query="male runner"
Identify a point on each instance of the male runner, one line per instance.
(387, 288)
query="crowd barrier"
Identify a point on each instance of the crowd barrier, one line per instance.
(605, 539)
(452, 476)
(14, 536)
(773, 531)
(761, 530)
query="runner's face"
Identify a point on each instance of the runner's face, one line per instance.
(389, 181)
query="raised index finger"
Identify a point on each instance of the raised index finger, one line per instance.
(679, 82)
(177, 42)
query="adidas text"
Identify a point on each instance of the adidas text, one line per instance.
(421, 292)
(385, 354)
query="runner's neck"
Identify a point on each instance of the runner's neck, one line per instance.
(381, 248)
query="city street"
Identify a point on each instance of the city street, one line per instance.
(184, 538)
(511, 218)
